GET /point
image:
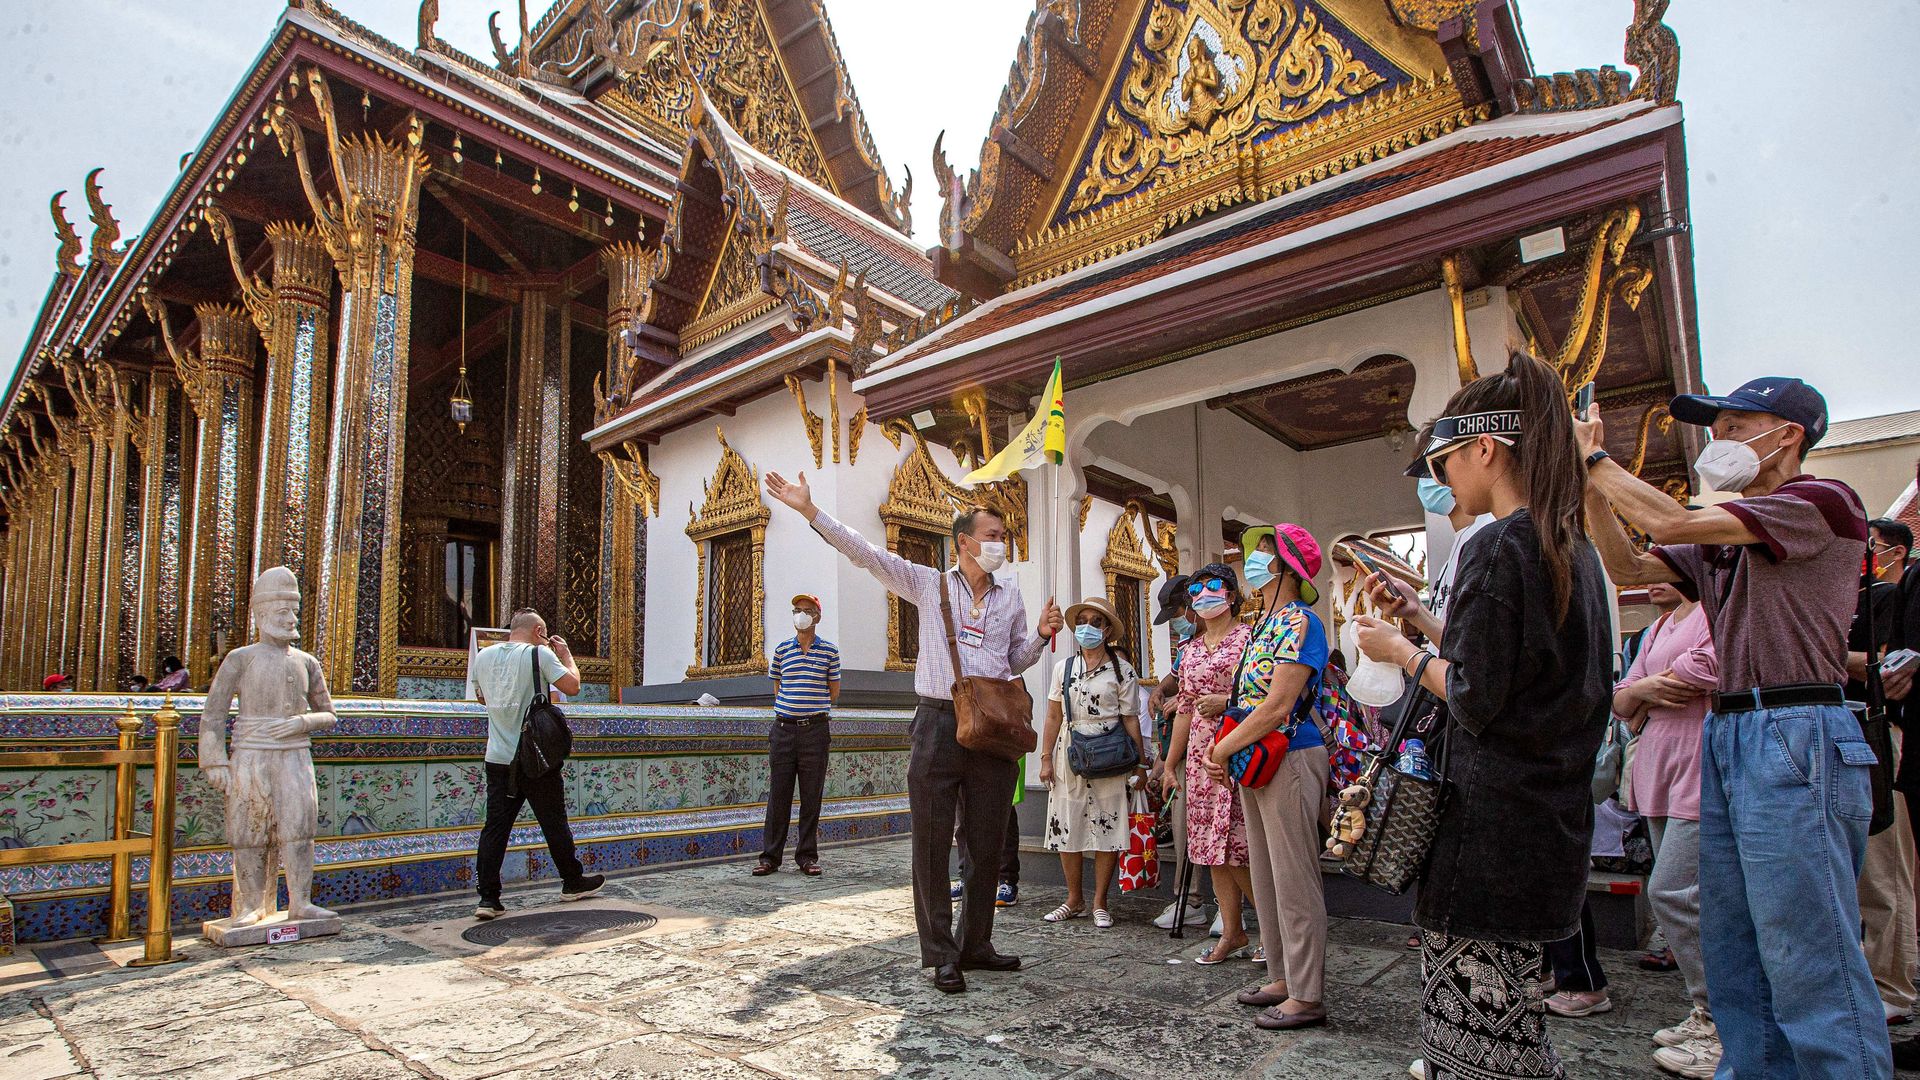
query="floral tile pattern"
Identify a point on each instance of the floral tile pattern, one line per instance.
(369, 798)
(457, 794)
(599, 786)
(866, 772)
(55, 806)
(679, 782)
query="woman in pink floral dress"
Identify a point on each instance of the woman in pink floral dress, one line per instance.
(1216, 829)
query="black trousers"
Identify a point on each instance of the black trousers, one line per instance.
(1009, 849)
(549, 799)
(946, 781)
(796, 752)
(1576, 966)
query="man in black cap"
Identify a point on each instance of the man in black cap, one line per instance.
(1785, 792)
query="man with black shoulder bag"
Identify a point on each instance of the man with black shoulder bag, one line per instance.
(965, 757)
(527, 746)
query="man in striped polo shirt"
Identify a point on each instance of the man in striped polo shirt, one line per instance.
(806, 683)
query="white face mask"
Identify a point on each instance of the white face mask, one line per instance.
(993, 555)
(1731, 464)
(802, 621)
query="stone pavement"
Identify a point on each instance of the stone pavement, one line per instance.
(745, 978)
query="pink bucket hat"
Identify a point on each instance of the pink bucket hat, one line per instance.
(1296, 548)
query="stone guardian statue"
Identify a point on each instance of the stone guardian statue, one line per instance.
(272, 806)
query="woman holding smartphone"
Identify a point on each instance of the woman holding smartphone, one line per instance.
(1525, 666)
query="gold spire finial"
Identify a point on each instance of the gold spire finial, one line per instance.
(67, 258)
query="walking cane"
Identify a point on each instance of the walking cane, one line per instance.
(1180, 902)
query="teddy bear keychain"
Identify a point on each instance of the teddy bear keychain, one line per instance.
(1349, 819)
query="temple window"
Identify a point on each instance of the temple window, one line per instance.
(1130, 575)
(730, 534)
(918, 515)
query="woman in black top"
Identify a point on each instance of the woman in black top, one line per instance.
(1525, 668)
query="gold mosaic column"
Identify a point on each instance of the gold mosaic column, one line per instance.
(95, 394)
(156, 622)
(120, 530)
(536, 463)
(217, 377)
(623, 522)
(53, 607)
(292, 316)
(368, 229)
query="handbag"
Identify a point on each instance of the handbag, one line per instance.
(993, 716)
(1140, 863)
(1096, 757)
(1609, 763)
(1402, 811)
(545, 738)
(1257, 763)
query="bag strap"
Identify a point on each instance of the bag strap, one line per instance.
(1407, 714)
(539, 684)
(946, 616)
(1876, 692)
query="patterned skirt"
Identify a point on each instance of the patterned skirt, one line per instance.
(1482, 1015)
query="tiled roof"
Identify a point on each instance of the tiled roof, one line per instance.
(1871, 429)
(686, 375)
(835, 231)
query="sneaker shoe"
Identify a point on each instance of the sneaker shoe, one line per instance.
(583, 887)
(956, 892)
(1896, 1015)
(1007, 895)
(1418, 1070)
(1696, 1059)
(1577, 1003)
(1217, 928)
(1196, 914)
(1697, 1025)
(488, 911)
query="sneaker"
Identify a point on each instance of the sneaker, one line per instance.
(1418, 1070)
(1577, 1003)
(1007, 895)
(1697, 1025)
(487, 911)
(1196, 915)
(956, 892)
(1696, 1059)
(583, 887)
(1218, 927)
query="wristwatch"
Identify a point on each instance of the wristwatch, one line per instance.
(1597, 457)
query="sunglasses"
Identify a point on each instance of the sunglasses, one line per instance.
(1435, 459)
(1213, 584)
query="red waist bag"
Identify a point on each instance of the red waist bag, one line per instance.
(1253, 765)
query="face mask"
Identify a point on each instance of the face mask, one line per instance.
(1731, 464)
(1435, 496)
(993, 555)
(1210, 607)
(802, 621)
(1181, 627)
(1259, 570)
(1089, 636)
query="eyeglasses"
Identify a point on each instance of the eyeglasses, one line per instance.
(1434, 459)
(1213, 584)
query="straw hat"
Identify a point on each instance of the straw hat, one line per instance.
(1099, 604)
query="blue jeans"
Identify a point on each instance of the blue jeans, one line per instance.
(1784, 804)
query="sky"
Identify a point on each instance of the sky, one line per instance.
(1801, 141)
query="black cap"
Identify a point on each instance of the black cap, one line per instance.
(1173, 598)
(1787, 398)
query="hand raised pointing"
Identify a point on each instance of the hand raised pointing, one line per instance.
(795, 493)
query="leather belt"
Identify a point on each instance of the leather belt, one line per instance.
(942, 704)
(802, 721)
(1779, 697)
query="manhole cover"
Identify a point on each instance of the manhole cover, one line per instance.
(559, 927)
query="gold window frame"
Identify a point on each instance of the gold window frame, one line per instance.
(733, 505)
(916, 500)
(1127, 557)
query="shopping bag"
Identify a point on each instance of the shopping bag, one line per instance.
(1140, 865)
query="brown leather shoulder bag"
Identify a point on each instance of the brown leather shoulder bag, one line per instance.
(993, 716)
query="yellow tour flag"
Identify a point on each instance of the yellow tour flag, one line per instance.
(1043, 439)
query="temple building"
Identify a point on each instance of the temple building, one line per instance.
(450, 337)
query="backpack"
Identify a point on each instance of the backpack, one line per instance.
(545, 738)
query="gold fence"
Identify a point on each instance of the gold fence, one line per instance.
(164, 756)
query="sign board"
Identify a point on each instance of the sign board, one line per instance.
(279, 935)
(479, 638)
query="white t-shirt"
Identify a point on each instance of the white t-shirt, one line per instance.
(504, 676)
(1443, 585)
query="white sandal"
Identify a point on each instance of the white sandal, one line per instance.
(1063, 913)
(1101, 919)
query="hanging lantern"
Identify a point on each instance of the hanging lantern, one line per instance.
(457, 157)
(460, 405)
(366, 105)
(536, 179)
(609, 218)
(496, 161)
(573, 199)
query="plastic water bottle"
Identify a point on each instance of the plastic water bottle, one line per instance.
(1413, 760)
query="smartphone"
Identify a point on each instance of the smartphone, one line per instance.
(1583, 401)
(1374, 567)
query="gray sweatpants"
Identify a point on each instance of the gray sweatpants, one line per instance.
(1673, 891)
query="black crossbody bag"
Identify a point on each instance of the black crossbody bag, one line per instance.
(1096, 757)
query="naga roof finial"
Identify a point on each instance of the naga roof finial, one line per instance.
(67, 259)
(106, 230)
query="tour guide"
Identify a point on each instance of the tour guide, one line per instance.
(806, 685)
(1785, 795)
(941, 773)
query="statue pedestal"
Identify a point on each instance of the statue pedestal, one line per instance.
(275, 929)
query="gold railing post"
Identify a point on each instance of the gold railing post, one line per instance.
(120, 921)
(166, 757)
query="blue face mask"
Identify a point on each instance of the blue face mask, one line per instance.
(1259, 570)
(1181, 627)
(1435, 496)
(1088, 636)
(1207, 606)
